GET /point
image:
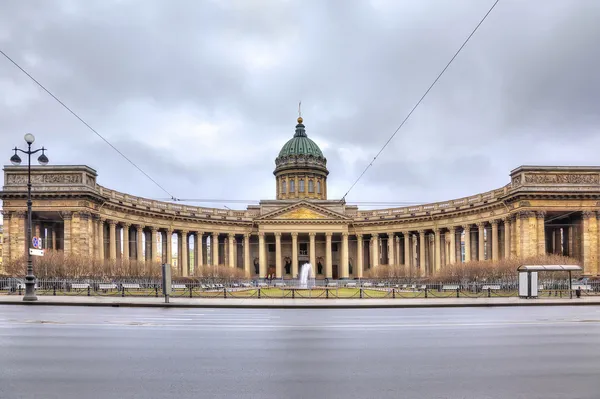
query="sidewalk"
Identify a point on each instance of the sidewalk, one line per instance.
(293, 303)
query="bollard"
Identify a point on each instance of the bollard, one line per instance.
(578, 292)
(293, 293)
(425, 291)
(54, 293)
(258, 292)
(457, 292)
(489, 292)
(88, 290)
(360, 294)
(224, 293)
(156, 291)
(190, 291)
(393, 293)
(122, 291)
(326, 293)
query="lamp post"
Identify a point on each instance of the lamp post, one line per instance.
(16, 160)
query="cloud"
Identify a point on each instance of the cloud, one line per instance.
(202, 95)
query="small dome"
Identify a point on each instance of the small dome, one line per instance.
(300, 144)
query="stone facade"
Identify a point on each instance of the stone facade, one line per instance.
(542, 210)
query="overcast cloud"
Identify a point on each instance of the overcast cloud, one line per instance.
(203, 94)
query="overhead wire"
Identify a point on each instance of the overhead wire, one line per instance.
(86, 124)
(421, 99)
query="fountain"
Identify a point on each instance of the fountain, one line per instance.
(305, 272)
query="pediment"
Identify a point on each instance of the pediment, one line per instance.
(303, 211)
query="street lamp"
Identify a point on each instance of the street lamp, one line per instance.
(16, 160)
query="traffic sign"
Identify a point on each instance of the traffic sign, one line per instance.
(36, 252)
(35, 241)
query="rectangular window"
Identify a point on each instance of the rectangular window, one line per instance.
(334, 247)
(283, 184)
(311, 186)
(303, 249)
(271, 247)
(292, 188)
(318, 187)
(301, 186)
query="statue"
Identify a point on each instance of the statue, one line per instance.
(256, 266)
(288, 265)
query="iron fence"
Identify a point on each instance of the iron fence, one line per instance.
(326, 289)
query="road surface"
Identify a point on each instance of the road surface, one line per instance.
(480, 353)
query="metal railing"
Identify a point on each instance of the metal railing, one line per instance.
(368, 288)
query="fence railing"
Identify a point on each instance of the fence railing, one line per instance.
(371, 288)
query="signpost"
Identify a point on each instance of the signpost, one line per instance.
(36, 243)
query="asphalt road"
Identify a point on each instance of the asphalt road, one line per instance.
(78, 352)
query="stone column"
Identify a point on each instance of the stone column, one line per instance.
(422, 246)
(214, 249)
(262, 256)
(278, 268)
(507, 238)
(359, 256)
(126, 241)
(295, 255)
(140, 243)
(452, 254)
(541, 232)
(467, 231)
(184, 253)
(328, 260)
(100, 238)
(54, 247)
(6, 247)
(590, 241)
(407, 252)
(199, 243)
(390, 249)
(397, 251)
(247, 254)
(169, 241)
(438, 249)
(345, 272)
(375, 241)
(481, 241)
(232, 262)
(495, 243)
(313, 251)
(67, 242)
(154, 243)
(112, 239)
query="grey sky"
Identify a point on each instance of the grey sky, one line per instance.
(203, 94)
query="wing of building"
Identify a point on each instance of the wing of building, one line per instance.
(543, 209)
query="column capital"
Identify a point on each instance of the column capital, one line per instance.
(126, 224)
(421, 232)
(231, 235)
(199, 233)
(466, 227)
(494, 222)
(277, 234)
(66, 215)
(507, 220)
(328, 234)
(140, 226)
(85, 215)
(184, 232)
(294, 234)
(261, 234)
(587, 214)
(436, 230)
(312, 234)
(390, 235)
(215, 234)
(540, 214)
(96, 217)
(154, 229)
(112, 222)
(480, 224)
(359, 236)
(451, 229)
(247, 235)
(345, 234)
(405, 232)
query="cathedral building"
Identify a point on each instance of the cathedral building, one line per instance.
(541, 210)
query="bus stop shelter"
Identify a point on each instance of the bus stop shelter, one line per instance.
(528, 277)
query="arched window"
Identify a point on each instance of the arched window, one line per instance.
(318, 187)
(311, 186)
(283, 185)
(292, 188)
(301, 189)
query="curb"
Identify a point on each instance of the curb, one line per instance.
(297, 306)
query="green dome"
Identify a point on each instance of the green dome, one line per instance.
(300, 144)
